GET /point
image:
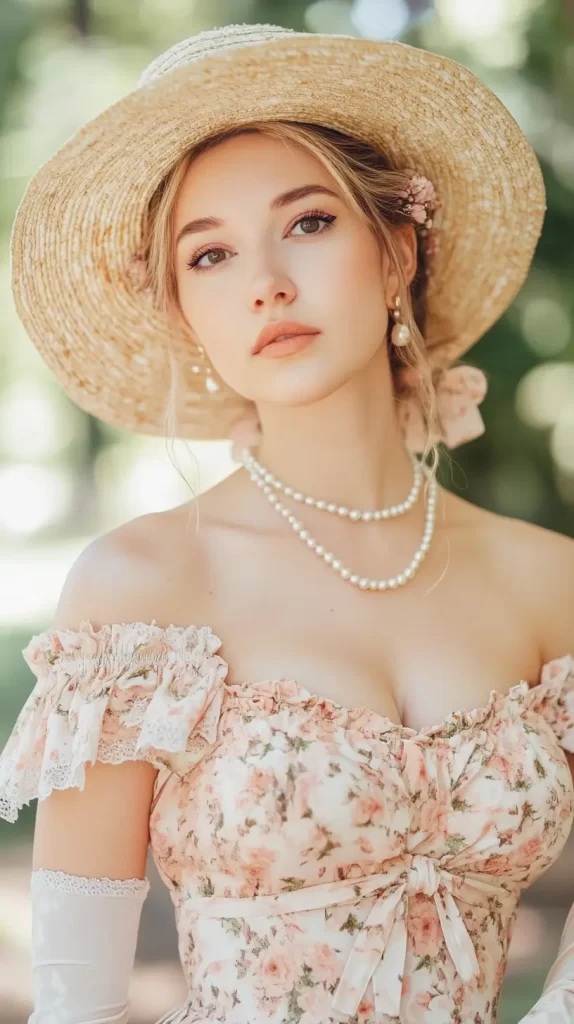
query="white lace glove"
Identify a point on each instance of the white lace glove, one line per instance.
(556, 1004)
(84, 935)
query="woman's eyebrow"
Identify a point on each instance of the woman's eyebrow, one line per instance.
(204, 223)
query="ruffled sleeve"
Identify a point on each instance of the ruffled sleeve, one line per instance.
(124, 692)
(553, 698)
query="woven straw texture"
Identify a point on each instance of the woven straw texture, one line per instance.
(79, 225)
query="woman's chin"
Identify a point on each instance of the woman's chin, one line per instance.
(294, 383)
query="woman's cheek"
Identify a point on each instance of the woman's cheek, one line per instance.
(217, 331)
(355, 268)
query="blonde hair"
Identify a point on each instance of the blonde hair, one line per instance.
(371, 188)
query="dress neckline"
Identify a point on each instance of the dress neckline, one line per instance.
(289, 691)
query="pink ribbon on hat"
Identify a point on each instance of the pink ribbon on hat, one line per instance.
(459, 392)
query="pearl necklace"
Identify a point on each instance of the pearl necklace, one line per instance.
(268, 483)
(354, 514)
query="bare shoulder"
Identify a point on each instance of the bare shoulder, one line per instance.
(123, 575)
(544, 561)
(539, 566)
(540, 549)
(155, 566)
(543, 558)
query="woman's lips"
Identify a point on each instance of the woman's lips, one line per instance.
(287, 346)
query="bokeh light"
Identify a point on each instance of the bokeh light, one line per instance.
(35, 421)
(546, 326)
(33, 497)
(545, 394)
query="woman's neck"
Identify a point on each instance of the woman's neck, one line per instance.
(346, 448)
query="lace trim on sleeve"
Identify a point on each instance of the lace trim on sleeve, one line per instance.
(43, 878)
(123, 692)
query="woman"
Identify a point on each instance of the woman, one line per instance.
(307, 232)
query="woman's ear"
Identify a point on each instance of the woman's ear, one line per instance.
(405, 239)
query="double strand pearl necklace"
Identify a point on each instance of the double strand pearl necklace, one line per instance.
(256, 470)
(270, 484)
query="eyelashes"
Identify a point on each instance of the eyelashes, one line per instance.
(326, 218)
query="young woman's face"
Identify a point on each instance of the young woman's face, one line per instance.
(310, 259)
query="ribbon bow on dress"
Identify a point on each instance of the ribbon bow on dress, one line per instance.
(459, 392)
(379, 950)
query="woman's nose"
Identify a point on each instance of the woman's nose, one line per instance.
(271, 289)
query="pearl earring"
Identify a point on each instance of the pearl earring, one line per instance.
(400, 333)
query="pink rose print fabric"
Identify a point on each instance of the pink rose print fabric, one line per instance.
(324, 863)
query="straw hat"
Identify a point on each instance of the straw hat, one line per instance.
(79, 225)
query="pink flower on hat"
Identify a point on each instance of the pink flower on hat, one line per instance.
(418, 198)
(422, 189)
(459, 392)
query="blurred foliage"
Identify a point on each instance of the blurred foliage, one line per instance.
(16, 681)
(519, 995)
(15, 24)
(510, 469)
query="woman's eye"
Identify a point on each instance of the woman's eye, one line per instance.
(311, 217)
(194, 263)
(315, 217)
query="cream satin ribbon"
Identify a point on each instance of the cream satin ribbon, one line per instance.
(380, 947)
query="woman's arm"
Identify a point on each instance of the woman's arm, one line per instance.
(86, 908)
(101, 831)
(90, 845)
(88, 889)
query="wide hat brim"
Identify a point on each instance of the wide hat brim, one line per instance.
(80, 222)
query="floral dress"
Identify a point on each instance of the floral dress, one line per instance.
(324, 863)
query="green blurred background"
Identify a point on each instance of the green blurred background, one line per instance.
(65, 477)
